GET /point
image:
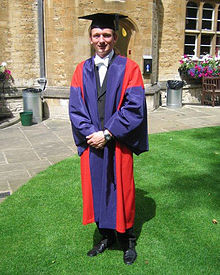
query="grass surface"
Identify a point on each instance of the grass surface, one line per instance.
(177, 197)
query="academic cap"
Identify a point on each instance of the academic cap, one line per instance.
(104, 20)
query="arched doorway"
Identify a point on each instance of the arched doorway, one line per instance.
(125, 33)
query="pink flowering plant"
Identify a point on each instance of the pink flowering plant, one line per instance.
(197, 68)
(5, 74)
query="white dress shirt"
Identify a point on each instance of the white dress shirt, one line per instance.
(102, 64)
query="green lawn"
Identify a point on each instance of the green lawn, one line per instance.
(177, 197)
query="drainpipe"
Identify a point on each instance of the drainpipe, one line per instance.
(42, 80)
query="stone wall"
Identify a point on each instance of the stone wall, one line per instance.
(4, 31)
(155, 40)
(19, 39)
(10, 107)
(11, 104)
(171, 43)
(67, 39)
(56, 101)
(191, 93)
(158, 30)
(59, 40)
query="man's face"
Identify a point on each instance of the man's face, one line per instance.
(103, 41)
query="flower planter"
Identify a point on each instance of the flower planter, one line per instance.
(188, 79)
(195, 68)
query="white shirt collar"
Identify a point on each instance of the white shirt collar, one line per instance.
(105, 60)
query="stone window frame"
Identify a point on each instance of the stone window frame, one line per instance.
(206, 39)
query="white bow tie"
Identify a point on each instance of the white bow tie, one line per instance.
(99, 61)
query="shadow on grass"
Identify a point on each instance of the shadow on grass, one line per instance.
(196, 190)
(145, 211)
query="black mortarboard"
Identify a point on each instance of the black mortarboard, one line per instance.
(104, 20)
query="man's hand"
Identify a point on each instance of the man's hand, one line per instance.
(96, 140)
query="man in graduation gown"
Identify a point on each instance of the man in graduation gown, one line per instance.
(108, 114)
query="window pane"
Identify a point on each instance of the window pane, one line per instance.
(206, 40)
(191, 4)
(192, 13)
(218, 26)
(190, 39)
(204, 50)
(207, 14)
(191, 16)
(207, 6)
(217, 48)
(190, 45)
(189, 50)
(218, 22)
(205, 47)
(207, 17)
(206, 25)
(191, 24)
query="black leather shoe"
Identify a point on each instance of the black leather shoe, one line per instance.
(130, 256)
(100, 247)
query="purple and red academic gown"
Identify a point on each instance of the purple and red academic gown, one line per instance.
(107, 175)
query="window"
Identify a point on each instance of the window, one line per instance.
(190, 44)
(218, 20)
(207, 17)
(217, 49)
(191, 16)
(205, 47)
(202, 28)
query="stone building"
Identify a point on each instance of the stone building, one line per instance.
(44, 38)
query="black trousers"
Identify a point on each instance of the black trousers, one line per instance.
(125, 239)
